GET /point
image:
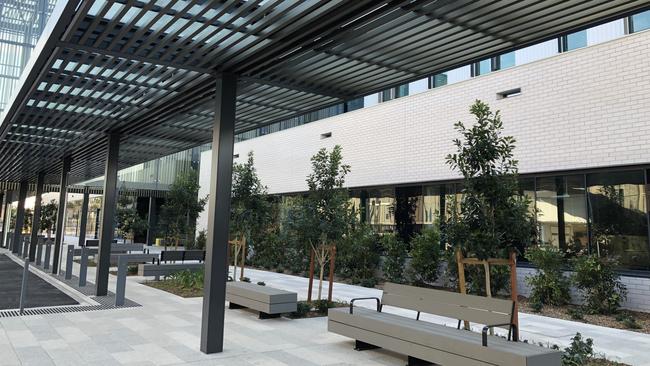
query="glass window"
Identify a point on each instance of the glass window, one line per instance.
(402, 91)
(370, 100)
(439, 80)
(619, 228)
(507, 60)
(381, 209)
(576, 40)
(536, 52)
(418, 86)
(640, 21)
(562, 212)
(484, 67)
(431, 201)
(408, 211)
(387, 94)
(355, 104)
(605, 32)
(459, 74)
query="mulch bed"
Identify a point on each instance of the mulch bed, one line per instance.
(609, 321)
(175, 289)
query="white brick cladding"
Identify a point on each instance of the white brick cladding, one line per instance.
(582, 109)
(638, 290)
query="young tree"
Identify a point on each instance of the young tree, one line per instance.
(181, 209)
(250, 210)
(324, 214)
(494, 217)
(48, 217)
(129, 221)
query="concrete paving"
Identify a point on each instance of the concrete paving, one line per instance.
(166, 331)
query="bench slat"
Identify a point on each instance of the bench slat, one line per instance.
(442, 338)
(477, 309)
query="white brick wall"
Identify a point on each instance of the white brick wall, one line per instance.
(583, 109)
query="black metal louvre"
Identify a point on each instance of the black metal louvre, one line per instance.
(147, 68)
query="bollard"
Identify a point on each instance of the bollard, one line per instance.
(25, 247)
(84, 267)
(68, 262)
(23, 287)
(120, 287)
(39, 252)
(48, 248)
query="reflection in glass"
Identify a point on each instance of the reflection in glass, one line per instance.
(507, 60)
(485, 67)
(576, 40)
(619, 224)
(431, 201)
(408, 211)
(380, 212)
(547, 208)
(640, 21)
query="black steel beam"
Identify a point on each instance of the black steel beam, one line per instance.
(60, 214)
(16, 244)
(108, 214)
(36, 220)
(216, 263)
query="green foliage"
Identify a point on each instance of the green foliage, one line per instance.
(48, 217)
(187, 279)
(536, 306)
(576, 313)
(261, 283)
(181, 209)
(250, 209)
(494, 218)
(302, 309)
(425, 256)
(579, 352)
(549, 286)
(628, 320)
(395, 257)
(128, 222)
(201, 240)
(246, 279)
(601, 287)
(358, 255)
(322, 306)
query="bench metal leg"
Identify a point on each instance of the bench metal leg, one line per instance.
(264, 315)
(413, 361)
(232, 305)
(363, 346)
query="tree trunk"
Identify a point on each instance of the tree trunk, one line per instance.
(320, 279)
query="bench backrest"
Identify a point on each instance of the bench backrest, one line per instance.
(476, 309)
(171, 255)
(194, 255)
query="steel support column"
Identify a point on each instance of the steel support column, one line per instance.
(151, 220)
(60, 214)
(216, 262)
(108, 214)
(3, 198)
(36, 220)
(9, 196)
(16, 243)
(84, 217)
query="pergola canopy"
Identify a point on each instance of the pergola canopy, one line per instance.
(146, 69)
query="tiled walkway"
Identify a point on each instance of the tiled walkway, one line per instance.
(166, 331)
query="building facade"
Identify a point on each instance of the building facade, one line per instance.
(576, 105)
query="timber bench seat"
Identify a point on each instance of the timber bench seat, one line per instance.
(427, 343)
(157, 270)
(270, 302)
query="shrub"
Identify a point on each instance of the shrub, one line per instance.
(628, 320)
(302, 309)
(536, 306)
(395, 251)
(187, 279)
(322, 306)
(579, 352)
(576, 313)
(601, 287)
(425, 257)
(357, 255)
(261, 283)
(201, 240)
(548, 285)
(245, 279)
